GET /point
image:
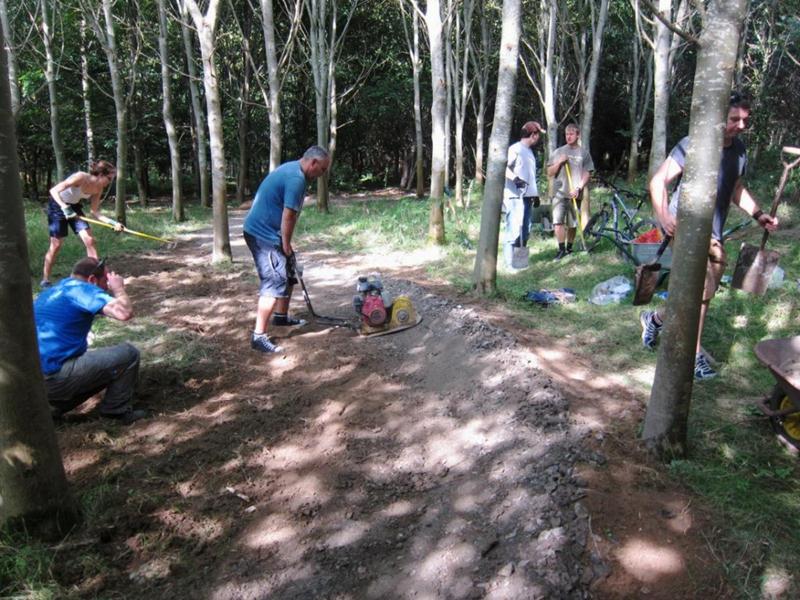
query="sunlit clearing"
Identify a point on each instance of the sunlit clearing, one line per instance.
(648, 562)
(449, 559)
(779, 317)
(550, 353)
(740, 321)
(728, 452)
(350, 533)
(272, 530)
(776, 583)
(78, 460)
(397, 509)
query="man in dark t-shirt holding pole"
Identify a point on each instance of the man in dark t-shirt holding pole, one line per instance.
(730, 189)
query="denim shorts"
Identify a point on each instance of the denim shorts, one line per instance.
(271, 267)
(57, 223)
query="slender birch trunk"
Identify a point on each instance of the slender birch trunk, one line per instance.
(206, 26)
(197, 110)
(166, 112)
(666, 420)
(47, 8)
(485, 272)
(663, 38)
(87, 102)
(433, 20)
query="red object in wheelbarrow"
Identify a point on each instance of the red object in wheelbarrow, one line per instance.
(782, 358)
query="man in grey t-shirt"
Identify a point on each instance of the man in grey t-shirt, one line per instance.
(730, 189)
(570, 166)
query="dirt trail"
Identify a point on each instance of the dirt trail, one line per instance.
(438, 462)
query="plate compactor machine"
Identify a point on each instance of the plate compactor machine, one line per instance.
(377, 313)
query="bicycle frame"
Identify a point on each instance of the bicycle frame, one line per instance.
(616, 221)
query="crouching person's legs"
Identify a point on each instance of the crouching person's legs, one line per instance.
(115, 369)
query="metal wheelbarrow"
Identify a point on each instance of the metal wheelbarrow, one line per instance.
(782, 406)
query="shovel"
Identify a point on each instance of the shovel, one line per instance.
(646, 276)
(755, 265)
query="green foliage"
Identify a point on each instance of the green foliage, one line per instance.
(26, 568)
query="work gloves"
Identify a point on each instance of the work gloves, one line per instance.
(69, 212)
(291, 266)
(520, 183)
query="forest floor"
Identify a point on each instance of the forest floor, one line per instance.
(464, 458)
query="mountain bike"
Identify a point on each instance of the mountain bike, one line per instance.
(618, 220)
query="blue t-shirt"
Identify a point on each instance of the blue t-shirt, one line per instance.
(285, 187)
(64, 315)
(732, 166)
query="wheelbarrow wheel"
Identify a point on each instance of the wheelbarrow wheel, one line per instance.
(787, 427)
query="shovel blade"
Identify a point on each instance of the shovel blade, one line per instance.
(754, 269)
(645, 282)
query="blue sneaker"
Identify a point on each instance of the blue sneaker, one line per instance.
(703, 370)
(44, 284)
(262, 343)
(650, 329)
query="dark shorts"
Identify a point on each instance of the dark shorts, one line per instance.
(271, 267)
(57, 223)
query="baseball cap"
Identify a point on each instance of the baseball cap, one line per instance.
(532, 127)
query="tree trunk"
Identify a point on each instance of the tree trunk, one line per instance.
(11, 59)
(550, 9)
(206, 29)
(197, 110)
(274, 85)
(35, 495)
(663, 38)
(87, 102)
(243, 130)
(481, 64)
(47, 9)
(107, 39)
(140, 171)
(667, 415)
(641, 87)
(320, 48)
(416, 67)
(433, 19)
(485, 273)
(169, 121)
(461, 95)
(598, 28)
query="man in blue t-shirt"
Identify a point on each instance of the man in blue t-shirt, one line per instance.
(64, 314)
(730, 189)
(268, 231)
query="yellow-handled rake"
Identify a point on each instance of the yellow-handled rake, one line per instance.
(575, 206)
(125, 230)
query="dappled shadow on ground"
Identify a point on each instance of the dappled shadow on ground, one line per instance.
(432, 462)
(436, 462)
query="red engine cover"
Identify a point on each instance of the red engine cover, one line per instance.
(373, 311)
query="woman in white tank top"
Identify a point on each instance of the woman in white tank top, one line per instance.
(65, 209)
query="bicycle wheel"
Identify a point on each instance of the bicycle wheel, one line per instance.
(787, 427)
(593, 232)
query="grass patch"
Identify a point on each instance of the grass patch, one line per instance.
(26, 568)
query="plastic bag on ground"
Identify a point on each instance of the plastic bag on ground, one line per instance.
(611, 291)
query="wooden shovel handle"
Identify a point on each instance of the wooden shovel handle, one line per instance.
(787, 166)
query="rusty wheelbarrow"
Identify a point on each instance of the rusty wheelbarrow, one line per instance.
(782, 406)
